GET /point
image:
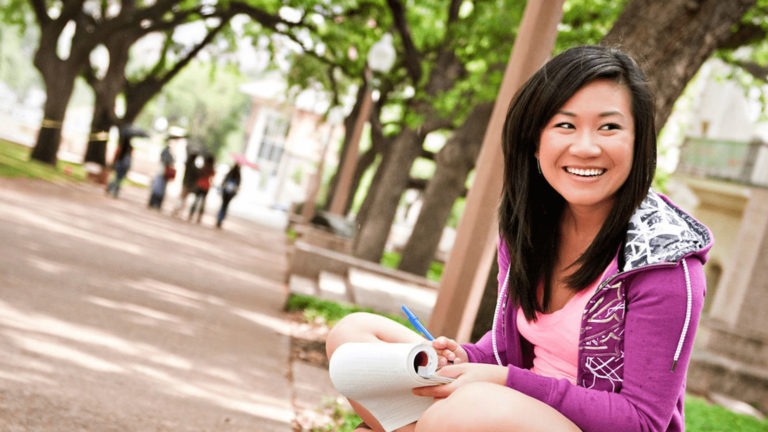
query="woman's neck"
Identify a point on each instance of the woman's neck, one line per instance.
(578, 229)
(583, 223)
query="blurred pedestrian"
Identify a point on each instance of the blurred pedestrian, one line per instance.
(192, 167)
(122, 161)
(229, 188)
(167, 173)
(202, 185)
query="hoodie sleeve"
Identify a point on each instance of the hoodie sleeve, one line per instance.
(651, 388)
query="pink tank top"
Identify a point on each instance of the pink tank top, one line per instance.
(555, 336)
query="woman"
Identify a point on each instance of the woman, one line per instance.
(161, 179)
(600, 279)
(229, 187)
(201, 188)
(121, 163)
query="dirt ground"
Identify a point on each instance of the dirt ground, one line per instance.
(114, 317)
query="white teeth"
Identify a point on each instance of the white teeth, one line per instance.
(593, 172)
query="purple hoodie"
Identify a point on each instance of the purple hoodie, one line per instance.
(637, 330)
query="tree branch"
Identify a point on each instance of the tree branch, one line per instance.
(745, 34)
(756, 70)
(412, 55)
(453, 10)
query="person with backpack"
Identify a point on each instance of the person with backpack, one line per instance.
(229, 188)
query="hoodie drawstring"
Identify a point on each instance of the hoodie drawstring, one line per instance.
(496, 314)
(687, 322)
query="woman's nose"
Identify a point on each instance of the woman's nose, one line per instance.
(585, 145)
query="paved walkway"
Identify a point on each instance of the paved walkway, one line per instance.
(114, 317)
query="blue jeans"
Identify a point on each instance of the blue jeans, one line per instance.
(121, 171)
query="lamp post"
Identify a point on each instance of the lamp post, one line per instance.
(466, 271)
(308, 209)
(381, 58)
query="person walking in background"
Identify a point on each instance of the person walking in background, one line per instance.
(122, 160)
(229, 188)
(167, 173)
(601, 279)
(191, 174)
(202, 185)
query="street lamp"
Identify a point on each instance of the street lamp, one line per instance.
(308, 210)
(381, 57)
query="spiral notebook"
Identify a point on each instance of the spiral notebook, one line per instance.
(380, 376)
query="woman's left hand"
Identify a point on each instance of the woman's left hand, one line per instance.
(464, 373)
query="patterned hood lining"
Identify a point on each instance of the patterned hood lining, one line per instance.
(660, 232)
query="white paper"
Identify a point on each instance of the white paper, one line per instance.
(380, 377)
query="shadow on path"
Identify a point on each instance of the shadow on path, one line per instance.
(114, 317)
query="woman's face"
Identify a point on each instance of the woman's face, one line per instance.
(585, 150)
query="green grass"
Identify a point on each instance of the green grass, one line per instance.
(329, 312)
(15, 163)
(700, 415)
(392, 259)
(342, 420)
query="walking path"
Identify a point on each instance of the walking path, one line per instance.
(114, 317)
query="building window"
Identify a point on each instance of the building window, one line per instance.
(273, 141)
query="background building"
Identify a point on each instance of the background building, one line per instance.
(721, 177)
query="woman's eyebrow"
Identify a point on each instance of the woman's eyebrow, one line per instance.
(602, 114)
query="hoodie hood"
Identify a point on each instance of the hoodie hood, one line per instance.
(660, 232)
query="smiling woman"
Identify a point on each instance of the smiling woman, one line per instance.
(600, 278)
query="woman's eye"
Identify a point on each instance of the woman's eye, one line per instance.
(564, 125)
(610, 126)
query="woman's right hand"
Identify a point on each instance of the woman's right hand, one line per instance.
(449, 351)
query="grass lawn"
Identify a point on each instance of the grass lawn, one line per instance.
(15, 163)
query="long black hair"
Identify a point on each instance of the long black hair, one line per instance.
(530, 209)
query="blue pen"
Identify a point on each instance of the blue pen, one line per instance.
(416, 323)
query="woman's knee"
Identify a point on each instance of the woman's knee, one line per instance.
(367, 327)
(351, 328)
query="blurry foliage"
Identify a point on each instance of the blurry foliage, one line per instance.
(16, 71)
(207, 101)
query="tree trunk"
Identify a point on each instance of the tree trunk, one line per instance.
(454, 162)
(395, 169)
(379, 145)
(362, 215)
(349, 124)
(59, 79)
(58, 75)
(96, 151)
(49, 137)
(105, 92)
(672, 39)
